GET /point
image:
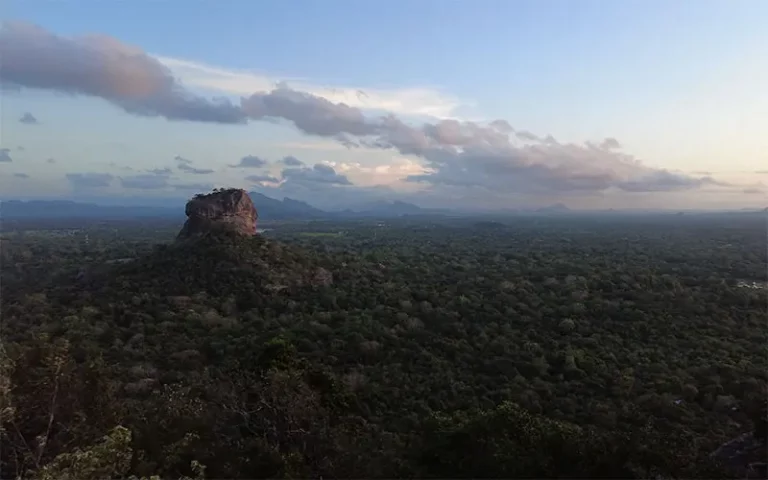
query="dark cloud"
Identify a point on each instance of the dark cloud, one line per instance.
(28, 118)
(101, 66)
(755, 191)
(185, 165)
(20, 148)
(51, 160)
(144, 181)
(346, 140)
(665, 181)
(89, 180)
(262, 178)
(318, 174)
(251, 161)
(5, 155)
(21, 175)
(292, 161)
(309, 113)
(193, 170)
(761, 172)
(161, 171)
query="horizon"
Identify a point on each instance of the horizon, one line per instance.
(177, 203)
(493, 105)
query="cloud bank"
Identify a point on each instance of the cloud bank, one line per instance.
(493, 156)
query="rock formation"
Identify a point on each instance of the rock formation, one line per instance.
(222, 210)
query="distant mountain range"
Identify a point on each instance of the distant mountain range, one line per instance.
(556, 208)
(272, 209)
(15, 209)
(390, 209)
(268, 208)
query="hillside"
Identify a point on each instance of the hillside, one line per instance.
(404, 351)
(221, 264)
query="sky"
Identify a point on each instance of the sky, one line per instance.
(483, 104)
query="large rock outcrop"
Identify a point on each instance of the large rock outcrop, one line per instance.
(222, 210)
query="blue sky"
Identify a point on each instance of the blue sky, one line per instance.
(680, 85)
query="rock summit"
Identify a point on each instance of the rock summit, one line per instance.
(221, 210)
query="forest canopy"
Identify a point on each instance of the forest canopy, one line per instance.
(533, 347)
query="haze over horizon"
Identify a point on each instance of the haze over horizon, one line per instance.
(487, 104)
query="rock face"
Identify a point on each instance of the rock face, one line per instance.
(229, 210)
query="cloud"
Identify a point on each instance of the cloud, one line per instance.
(51, 160)
(28, 119)
(326, 145)
(665, 181)
(309, 113)
(488, 156)
(318, 174)
(391, 172)
(251, 161)
(5, 155)
(144, 181)
(526, 135)
(160, 171)
(761, 172)
(470, 154)
(102, 66)
(185, 165)
(21, 175)
(262, 178)
(404, 101)
(89, 180)
(291, 161)
(755, 191)
(193, 170)
(20, 148)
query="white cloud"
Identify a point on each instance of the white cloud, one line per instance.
(389, 174)
(416, 101)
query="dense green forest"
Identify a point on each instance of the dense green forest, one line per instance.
(519, 348)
